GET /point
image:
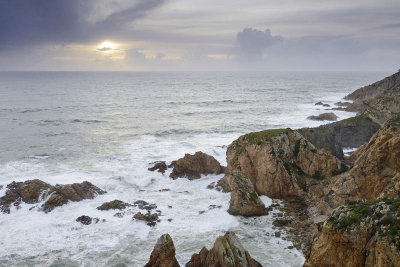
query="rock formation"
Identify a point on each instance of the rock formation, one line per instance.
(324, 117)
(159, 166)
(227, 251)
(163, 254)
(35, 191)
(363, 233)
(86, 220)
(114, 205)
(151, 219)
(280, 163)
(193, 166)
(244, 198)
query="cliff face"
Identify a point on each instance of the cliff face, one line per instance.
(363, 233)
(280, 163)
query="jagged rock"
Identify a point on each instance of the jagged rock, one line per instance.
(114, 205)
(244, 198)
(227, 251)
(280, 163)
(151, 219)
(163, 254)
(86, 220)
(192, 166)
(376, 171)
(34, 191)
(71, 192)
(159, 166)
(364, 233)
(324, 117)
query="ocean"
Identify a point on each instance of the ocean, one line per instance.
(107, 127)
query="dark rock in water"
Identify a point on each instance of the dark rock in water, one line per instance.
(71, 192)
(211, 207)
(114, 205)
(277, 234)
(163, 254)
(281, 222)
(34, 191)
(86, 220)
(159, 166)
(319, 103)
(193, 166)
(143, 205)
(324, 117)
(119, 214)
(244, 198)
(150, 218)
(164, 190)
(227, 251)
(172, 164)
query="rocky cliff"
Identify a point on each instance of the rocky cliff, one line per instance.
(280, 163)
(363, 233)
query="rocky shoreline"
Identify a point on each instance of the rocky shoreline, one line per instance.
(338, 210)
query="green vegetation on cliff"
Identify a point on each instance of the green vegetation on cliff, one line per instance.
(381, 215)
(258, 138)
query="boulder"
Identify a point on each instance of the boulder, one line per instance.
(114, 205)
(227, 251)
(35, 191)
(363, 233)
(163, 254)
(159, 166)
(143, 205)
(324, 117)
(244, 198)
(193, 166)
(280, 163)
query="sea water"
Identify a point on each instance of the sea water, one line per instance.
(107, 127)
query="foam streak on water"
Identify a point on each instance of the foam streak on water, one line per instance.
(107, 127)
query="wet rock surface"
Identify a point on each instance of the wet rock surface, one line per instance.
(163, 254)
(149, 218)
(35, 191)
(86, 220)
(193, 166)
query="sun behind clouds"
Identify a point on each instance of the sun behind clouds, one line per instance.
(106, 46)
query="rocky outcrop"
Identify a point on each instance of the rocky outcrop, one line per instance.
(193, 166)
(163, 254)
(159, 166)
(379, 101)
(227, 251)
(35, 191)
(280, 163)
(324, 117)
(114, 205)
(351, 132)
(244, 198)
(363, 233)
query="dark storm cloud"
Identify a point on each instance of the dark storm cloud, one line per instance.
(252, 43)
(28, 22)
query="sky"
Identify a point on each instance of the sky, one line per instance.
(206, 35)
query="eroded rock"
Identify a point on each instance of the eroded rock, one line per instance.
(227, 251)
(114, 205)
(193, 166)
(159, 166)
(86, 220)
(324, 117)
(151, 219)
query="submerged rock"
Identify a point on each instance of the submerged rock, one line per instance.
(35, 191)
(193, 166)
(86, 220)
(227, 251)
(114, 205)
(163, 254)
(244, 198)
(143, 205)
(324, 117)
(159, 166)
